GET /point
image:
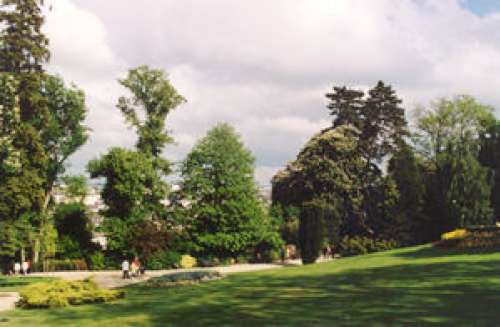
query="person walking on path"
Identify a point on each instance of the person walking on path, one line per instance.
(25, 267)
(125, 269)
(17, 268)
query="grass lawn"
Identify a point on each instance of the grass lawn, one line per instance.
(13, 284)
(406, 287)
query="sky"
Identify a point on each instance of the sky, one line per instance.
(264, 66)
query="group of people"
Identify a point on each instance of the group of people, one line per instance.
(133, 269)
(21, 268)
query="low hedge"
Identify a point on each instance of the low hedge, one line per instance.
(479, 239)
(61, 265)
(186, 277)
(362, 245)
(61, 293)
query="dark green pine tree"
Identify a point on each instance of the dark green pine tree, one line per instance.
(23, 51)
(23, 46)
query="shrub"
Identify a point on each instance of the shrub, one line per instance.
(97, 261)
(208, 261)
(475, 240)
(164, 260)
(456, 234)
(186, 277)
(362, 245)
(62, 293)
(61, 265)
(187, 261)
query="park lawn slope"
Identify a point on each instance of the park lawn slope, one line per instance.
(412, 286)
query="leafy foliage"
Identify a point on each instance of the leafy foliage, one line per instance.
(164, 259)
(64, 132)
(225, 215)
(76, 188)
(358, 245)
(23, 46)
(156, 97)
(74, 229)
(311, 230)
(459, 188)
(61, 293)
(132, 185)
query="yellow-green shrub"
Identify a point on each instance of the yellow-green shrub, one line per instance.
(478, 239)
(188, 261)
(456, 234)
(61, 293)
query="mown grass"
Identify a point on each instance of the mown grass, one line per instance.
(15, 283)
(407, 287)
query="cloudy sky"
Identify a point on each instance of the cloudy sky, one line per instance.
(264, 66)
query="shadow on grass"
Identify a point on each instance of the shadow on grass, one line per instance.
(460, 293)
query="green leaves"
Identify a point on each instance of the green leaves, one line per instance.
(226, 216)
(152, 94)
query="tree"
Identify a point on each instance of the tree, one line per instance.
(448, 136)
(469, 193)
(149, 237)
(23, 46)
(15, 238)
(327, 168)
(152, 94)
(76, 188)
(64, 132)
(379, 117)
(21, 190)
(452, 127)
(380, 120)
(74, 229)
(408, 173)
(287, 218)
(489, 156)
(23, 51)
(131, 184)
(131, 193)
(225, 213)
(313, 216)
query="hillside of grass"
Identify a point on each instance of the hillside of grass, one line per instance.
(412, 286)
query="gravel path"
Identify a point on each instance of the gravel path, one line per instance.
(112, 279)
(8, 300)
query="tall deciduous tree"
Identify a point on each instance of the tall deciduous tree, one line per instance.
(226, 215)
(449, 137)
(131, 193)
(131, 183)
(64, 132)
(153, 97)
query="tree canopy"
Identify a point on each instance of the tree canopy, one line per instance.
(225, 216)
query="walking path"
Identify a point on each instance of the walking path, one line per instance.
(113, 279)
(8, 300)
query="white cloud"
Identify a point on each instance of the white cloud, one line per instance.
(264, 66)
